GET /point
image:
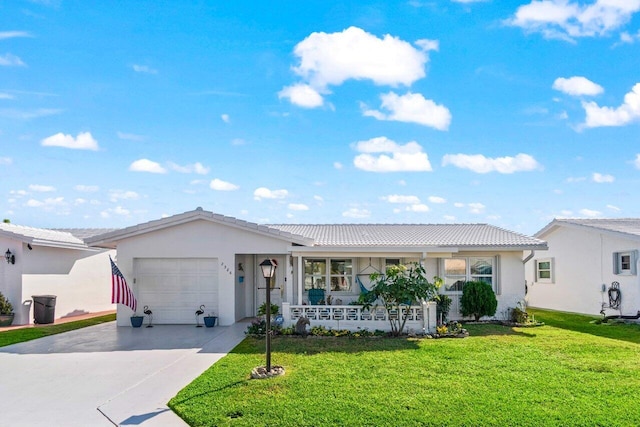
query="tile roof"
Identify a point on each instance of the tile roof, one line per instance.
(84, 233)
(411, 235)
(41, 236)
(629, 226)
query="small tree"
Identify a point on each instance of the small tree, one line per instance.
(478, 299)
(397, 289)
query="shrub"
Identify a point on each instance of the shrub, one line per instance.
(5, 305)
(478, 299)
(262, 310)
(443, 304)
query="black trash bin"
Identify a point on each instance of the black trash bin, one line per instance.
(44, 308)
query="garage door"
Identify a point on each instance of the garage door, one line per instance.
(175, 288)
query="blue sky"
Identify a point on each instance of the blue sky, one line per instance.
(502, 112)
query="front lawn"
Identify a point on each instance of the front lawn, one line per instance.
(567, 373)
(27, 334)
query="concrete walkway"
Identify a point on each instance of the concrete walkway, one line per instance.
(106, 375)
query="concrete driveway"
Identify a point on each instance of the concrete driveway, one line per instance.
(104, 375)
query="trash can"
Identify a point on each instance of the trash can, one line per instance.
(44, 308)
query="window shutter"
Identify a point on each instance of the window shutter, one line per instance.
(634, 262)
(496, 275)
(616, 265)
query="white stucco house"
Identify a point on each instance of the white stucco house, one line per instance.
(53, 262)
(178, 263)
(587, 258)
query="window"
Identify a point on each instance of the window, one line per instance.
(544, 270)
(338, 273)
(458, 271)
(391, 262)
(624, 263)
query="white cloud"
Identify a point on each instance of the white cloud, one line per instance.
(573, 179)
(6, 95)
(356, 213)
(600, 178)
(577, 86)
(225, 118)
(41, 188)
(144, 69)
(302, 95)
(118, 210)
(449, 218)
(420, 207)
(115, 195)
(481, 164)
(396, 198)
(627, 113)
(337, 165)
(458, 205)
(265, 193)
(10, 60)
(476, 208)
(146, 165)
(84, 141)
(411, 108)
(13, 34)
(6, 161)
(130, 136)
(197, 168)
(298, 207)
(12, 113)
(567, 20)
(614, 208)
(331, 59)
(636, 162)
(238, 142)
(87, 188)
(48, 204)
(404, 158)
(437, 200)
(220, 185)
(590, 213)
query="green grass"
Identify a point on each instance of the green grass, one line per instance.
(27, 334)
(567, 373)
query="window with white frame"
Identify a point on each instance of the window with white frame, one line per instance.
(458, 271)
(320, 273)
(625, 263)
(544, 270)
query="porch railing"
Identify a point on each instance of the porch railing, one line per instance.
(422, 318)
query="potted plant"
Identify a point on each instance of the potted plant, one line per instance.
(210, 320)
(6, 311)
(136, 321)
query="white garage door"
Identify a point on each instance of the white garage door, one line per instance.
(175, 288)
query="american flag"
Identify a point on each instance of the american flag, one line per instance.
(120, 291)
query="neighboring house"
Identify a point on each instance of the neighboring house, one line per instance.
(177, 263)
(585, 258)
(53, 262)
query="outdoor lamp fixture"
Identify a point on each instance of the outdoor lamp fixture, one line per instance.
(268, 271)
(11, 258)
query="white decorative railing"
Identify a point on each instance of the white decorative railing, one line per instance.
(353, 317)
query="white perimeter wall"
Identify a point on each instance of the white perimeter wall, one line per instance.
(583, 262)
(197, 239)
(80, 280)
(11, 276)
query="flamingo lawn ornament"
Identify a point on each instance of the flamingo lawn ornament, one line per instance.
(150, 314)
(199, 312)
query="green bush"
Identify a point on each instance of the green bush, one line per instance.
(262, 310)
(5, 305)
(443, 305)
(478, 299)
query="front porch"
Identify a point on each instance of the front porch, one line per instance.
(421, 319)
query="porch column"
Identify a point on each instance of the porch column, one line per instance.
(300, 279)
(288, 279)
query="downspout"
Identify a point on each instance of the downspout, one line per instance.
(528, 258)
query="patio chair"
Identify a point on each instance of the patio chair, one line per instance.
(315, 296)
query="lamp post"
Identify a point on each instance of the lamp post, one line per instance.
(268, 270)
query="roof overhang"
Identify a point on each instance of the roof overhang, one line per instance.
(111, 239)
(555, 224)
